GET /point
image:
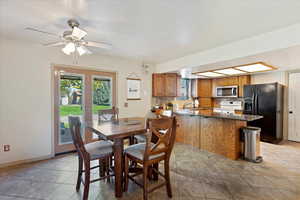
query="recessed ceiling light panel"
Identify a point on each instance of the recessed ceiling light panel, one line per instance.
(209, 74)
(229, 71)
(254, 68)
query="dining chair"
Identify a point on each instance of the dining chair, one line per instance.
(111, 115)
(152, 152)
(99, 150)
(142, 138)
(108, 114)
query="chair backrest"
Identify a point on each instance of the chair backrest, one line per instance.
(162, 133)
(75, 126)
(108, 114)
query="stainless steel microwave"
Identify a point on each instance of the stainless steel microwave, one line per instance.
(227, 91)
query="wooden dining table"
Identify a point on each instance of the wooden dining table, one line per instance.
(117, 131)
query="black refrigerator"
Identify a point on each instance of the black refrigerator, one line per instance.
(266, 100)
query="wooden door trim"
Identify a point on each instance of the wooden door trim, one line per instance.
(88, 75)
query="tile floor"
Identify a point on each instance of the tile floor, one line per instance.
(195, 174)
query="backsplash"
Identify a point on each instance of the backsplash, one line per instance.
(173, 100)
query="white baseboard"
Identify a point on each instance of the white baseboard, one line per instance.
(18, 162)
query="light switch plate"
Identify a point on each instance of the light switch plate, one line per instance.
(6, 147)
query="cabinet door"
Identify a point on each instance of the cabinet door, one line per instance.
(205, 102)
(229, 81)
(204, 88)
(243, 80)
(171, 85)
(158, 85)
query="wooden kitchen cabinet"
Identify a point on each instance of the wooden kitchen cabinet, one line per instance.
(158, 85)
(205, 88)
(243, 80)
(188, 130)
(171, 85)
(205, 93)
(205, 102)
(165, 85)
(228, 81)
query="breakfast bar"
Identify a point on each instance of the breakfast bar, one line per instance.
(214, 132)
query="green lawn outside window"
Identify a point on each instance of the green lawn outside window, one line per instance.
(66, 110)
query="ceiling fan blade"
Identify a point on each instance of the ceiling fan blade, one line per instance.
(88, 51)
(40, 31)
(102, 45)
(78, 33)
(54, 44)
(83, 50)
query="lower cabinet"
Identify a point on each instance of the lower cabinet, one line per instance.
(216, 135)
(188, 129)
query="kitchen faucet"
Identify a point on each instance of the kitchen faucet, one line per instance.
(188, 103)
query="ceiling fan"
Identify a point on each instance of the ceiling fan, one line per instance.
(73, 40)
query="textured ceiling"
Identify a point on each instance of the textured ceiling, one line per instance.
(156, 30)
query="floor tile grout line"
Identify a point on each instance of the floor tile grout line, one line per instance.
(17, 196)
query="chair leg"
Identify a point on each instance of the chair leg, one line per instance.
(101, 168)
(126, 173)
(145, 181)
(154, 173)
(86, 181)
(131, 140)
(150, 172)
(80, 165)
(107, 163)
(167, 176)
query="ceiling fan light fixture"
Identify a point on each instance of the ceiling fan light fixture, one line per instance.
(69, 48)
(82, 50)
(78, 33)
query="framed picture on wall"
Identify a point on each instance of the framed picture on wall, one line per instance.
(133, 89)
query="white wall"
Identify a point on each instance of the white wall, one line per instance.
(25, 95)
(271, 77)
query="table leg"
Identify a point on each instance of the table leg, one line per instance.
(118, 156)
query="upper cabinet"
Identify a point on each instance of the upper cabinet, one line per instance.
(205, 88)
(158, 82)
(243, 80)
(165, 85)
(171, 84)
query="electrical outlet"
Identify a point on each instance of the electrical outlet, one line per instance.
(6, 147)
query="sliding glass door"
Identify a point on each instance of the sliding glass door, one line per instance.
(82, 93)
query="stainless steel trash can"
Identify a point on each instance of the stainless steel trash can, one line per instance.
(250, 136)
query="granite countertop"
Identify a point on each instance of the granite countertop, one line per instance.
(211, 114)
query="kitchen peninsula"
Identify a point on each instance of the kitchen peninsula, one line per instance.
(213, 132)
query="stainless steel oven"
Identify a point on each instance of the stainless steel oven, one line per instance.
(227, 91)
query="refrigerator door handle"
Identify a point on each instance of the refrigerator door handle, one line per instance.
(255, 103)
